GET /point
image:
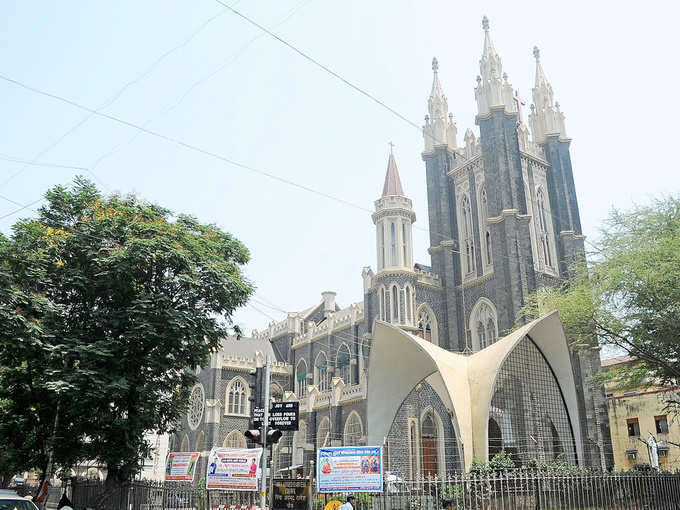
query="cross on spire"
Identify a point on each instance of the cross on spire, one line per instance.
(391, 147)
(519, 102)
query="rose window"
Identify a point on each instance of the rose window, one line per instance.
(195, 406)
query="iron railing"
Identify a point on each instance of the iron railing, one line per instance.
(522, 489)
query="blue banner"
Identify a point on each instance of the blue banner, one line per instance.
(349, 469)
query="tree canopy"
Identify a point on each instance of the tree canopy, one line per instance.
(629, 295)
(105, 303)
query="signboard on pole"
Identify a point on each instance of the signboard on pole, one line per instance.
(282, 416)
(181, 466)
(349, 469)
(291, 494)
(233, 469)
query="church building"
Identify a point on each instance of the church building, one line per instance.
(428, 363)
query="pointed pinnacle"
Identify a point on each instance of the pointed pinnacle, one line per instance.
(537, 54)
(485, 23)
(435, 64)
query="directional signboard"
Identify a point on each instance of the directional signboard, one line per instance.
(282, 416)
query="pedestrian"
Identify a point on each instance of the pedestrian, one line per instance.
(350, 503)
(447, 504)
(64, 502)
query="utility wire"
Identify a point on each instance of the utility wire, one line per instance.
(118, 94)
(320, 65)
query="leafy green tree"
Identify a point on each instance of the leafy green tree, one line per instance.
(110, 300)
(629, 296)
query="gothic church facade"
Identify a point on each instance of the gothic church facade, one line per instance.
(503, 222)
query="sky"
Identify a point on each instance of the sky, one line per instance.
(196, 72)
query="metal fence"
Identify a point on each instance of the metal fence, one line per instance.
(513, 490)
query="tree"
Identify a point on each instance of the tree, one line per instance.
(111, 300)
(629, 296)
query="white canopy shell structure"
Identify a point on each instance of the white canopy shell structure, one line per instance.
(464, 383)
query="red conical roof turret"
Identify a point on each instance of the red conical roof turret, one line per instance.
(392, 182)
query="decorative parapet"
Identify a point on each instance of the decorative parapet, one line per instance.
(339, 394)
(428, 278)
(337, 321)
(241, 363)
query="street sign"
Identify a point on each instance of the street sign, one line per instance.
(282, 415)
(291, 494)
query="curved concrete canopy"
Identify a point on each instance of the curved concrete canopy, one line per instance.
(465, 383)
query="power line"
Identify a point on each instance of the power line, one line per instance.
(118, 94)
(181, 143)
(321, 66)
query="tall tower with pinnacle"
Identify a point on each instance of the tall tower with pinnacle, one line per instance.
(439, 128)
(393, 219)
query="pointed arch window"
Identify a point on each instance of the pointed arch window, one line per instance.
(393, 243)
(353, 430)
(323, 433)
(381, 304)
(413, 450)
(404, 242)
(343, 365)
(185, 444)
(301, 379)
(299, 442)
(394, 314)
(483, 324)
(321, 372)
(237, 397)
(235, 439)
(484, 226)
(467, 245)
(430, 446)
(427, 324)
(382, 245)
(544, 237)
(409, 305)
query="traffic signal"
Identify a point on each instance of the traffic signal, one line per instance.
(273, 436)
(254, 435)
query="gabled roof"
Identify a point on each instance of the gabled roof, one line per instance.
(392, 184)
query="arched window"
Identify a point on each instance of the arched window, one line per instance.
(301, 379)
(200, 442)
(299, 442)
(495, 438)
(483, 324)
(413, 450)
(404, 242)
(235, 439)
(185, 444)
(353, 430)
(382, 245)
(237, 397)
(393, 243)
(321, 372)
(394, 301)
(427, 324)
(381, 304)
(467, 235)
(484, 226)
(543, 234)
(275, 393)
(409, 305)
(342, 364)
(323, 433)
(430, 446)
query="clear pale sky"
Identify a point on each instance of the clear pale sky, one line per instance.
(613, 66)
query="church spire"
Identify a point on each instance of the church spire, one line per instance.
(492, 89)
(393, 218)
(545, 117)
(438, 130)
(392, 184)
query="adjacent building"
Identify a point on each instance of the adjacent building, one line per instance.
(635, 414)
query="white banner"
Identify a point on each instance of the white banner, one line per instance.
(233, 469)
